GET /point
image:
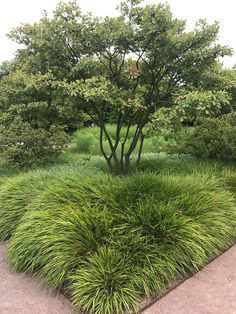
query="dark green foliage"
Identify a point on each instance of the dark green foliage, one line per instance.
(23, 145)
(214, 139)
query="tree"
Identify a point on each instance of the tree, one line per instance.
(125, 67)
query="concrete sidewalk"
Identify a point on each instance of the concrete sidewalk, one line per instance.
(20, 294)
(211, 291)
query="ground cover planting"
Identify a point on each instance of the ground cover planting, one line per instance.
(112, 242)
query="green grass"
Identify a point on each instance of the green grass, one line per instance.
(18, 192)
(104, 284)
(15, 195)
(112, 241)
(86, 140)
(7, 171)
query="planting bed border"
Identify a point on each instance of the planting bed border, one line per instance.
(179, 282)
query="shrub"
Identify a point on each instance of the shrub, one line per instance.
(85, 143)
(214, 139)
(22, 145)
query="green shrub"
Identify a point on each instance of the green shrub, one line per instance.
(22, 145)
(7, 171)
(214, 139)
(85, 142)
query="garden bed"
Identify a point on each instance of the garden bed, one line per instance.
(114, 243)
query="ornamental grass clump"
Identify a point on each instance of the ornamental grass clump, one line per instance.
(111, 242)
(104, 284)
(16, 194)
(59, 240)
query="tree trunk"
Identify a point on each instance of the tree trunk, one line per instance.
(122, 165)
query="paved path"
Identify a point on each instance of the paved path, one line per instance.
(20, 294)
(212, 291)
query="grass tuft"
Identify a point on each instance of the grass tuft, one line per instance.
(104, 284)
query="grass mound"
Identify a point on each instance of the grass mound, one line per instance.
(59, 240)
(15, 195)
(19, 194)
(104, 284)
(112, 241)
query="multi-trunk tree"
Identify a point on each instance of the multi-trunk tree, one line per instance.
(119, 69)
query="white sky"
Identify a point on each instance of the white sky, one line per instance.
(15, 12)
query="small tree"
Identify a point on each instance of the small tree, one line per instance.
(127, 66)
(144, 58)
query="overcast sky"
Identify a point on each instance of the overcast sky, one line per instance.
(15, 12)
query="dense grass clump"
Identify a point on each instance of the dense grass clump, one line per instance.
(19, 194)
(112, 241)
(59, 240)
(15, 195)
(104, 284)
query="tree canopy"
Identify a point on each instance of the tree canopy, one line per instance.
(120, 69)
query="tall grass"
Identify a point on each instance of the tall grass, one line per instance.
(15, 195)
(58, 241)
(112, 241)
(19, 194)
(104, 284)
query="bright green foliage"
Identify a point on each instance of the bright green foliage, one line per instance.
(40, 189)
(196, 105)
(60, 239)
(16, 194)
(104, 284)
(214, 139)
(190, 108)
(111, 241)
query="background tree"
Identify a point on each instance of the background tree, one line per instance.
(121, 68)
